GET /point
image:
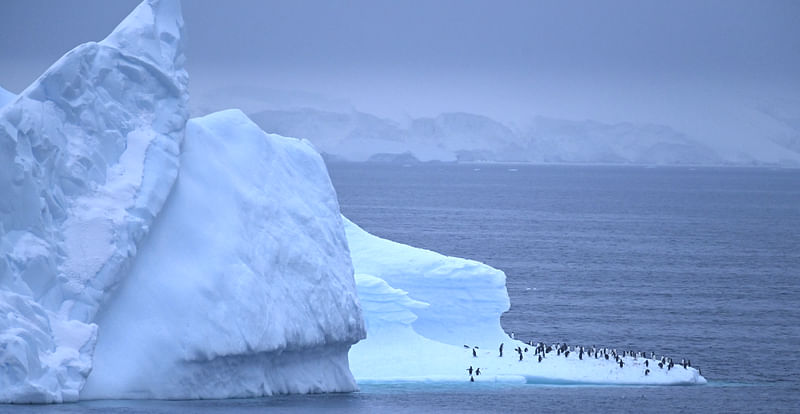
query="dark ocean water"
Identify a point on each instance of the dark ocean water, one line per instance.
(698, 263)
(693, 263)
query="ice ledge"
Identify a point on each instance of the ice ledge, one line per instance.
(399, 285)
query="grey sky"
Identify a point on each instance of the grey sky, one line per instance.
(610, 60)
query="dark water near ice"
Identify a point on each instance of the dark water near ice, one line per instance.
(693, 263)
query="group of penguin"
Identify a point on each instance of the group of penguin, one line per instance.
(540, 350)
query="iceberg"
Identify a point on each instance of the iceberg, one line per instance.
(426, 313)
(119, 279)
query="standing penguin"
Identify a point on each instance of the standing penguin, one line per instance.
(474, 353)
(471, 378)
(501, 349)
(469, 370)
(646, 372)
(477, 371)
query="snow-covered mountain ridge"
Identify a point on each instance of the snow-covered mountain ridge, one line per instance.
(350, 135)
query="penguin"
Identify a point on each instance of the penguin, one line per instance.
(477, 371)
(469, 370)
(660, 365)
(646, 372)
(689, 362)
(566, 354)
(646, 363)
(606, 356)
(512, 335)
(621, 363)
(540, 358)
(520, 356)
(466, 346)
(526, 349)
(471, 378)
(474, 354)
(501, 349)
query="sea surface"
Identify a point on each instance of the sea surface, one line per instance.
(697, 263)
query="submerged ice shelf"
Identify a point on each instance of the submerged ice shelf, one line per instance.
(426, 312)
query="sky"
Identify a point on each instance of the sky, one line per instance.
(693, 64)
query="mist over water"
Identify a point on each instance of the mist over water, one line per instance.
(721, 72)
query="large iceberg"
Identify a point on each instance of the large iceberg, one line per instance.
(426, 313)
(241, 286)
(144, 255)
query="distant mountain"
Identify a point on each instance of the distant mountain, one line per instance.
(562, 141)
(463, 137)
(404, 158)
(787, 114)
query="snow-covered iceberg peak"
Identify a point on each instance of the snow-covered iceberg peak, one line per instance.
(6, 96)
(245, 285)
(88, 155)
(153, 32)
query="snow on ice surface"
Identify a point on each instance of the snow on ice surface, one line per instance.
(244, 287)
(88, 155)
(421, 308)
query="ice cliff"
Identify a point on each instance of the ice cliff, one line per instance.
(243, 280)
(244, 286)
